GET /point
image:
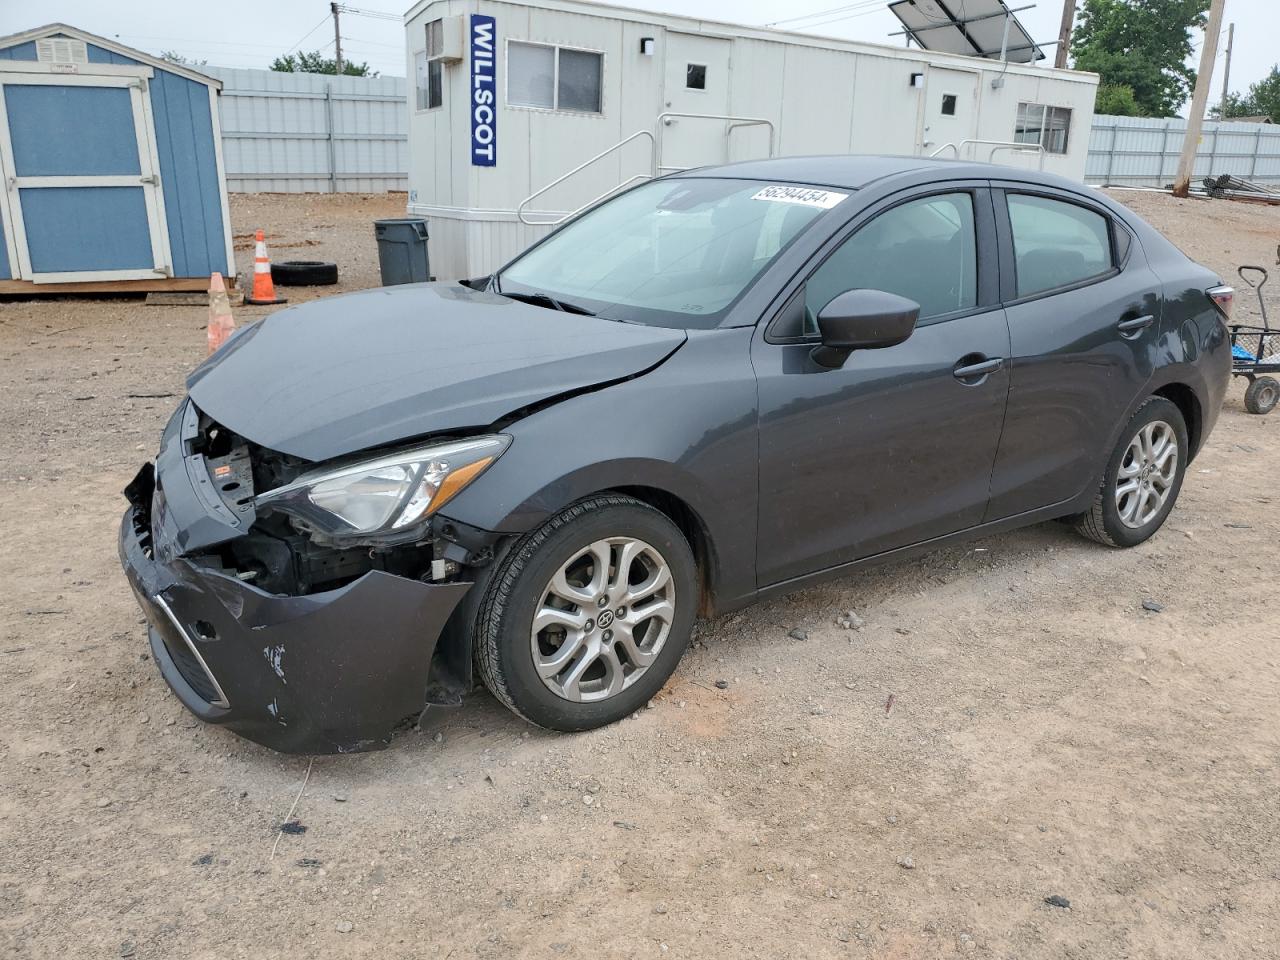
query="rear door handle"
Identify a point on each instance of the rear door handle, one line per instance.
(973, 373)
(1134, 325)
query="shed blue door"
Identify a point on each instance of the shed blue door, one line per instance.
(82, 189)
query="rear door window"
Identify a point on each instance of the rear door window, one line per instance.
(924, 250)
(1056, 243)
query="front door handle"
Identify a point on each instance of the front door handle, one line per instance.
(971, 371)
(1134, 325)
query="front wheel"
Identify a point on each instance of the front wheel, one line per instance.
(587, 617)
(1142, 478)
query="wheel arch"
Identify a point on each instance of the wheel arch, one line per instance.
(1183, 397)
(694, 528)
(452, 668)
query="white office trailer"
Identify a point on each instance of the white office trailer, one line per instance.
(522, 113)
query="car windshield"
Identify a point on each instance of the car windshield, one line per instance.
(671, 253)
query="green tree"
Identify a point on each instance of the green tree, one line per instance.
(1116, 100)
(1143, 45)
(317, 62)
(173, 56)
(1262, 100)
(1237, 105)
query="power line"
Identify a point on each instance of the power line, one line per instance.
(372, 43)
(201, 41)
(849, 16)
(323, 21)
(373, 14)
(823, 13)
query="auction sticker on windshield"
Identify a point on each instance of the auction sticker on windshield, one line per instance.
(824, 199)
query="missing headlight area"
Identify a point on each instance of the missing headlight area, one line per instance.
(283, 554)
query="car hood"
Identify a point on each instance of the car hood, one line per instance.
(373, 368)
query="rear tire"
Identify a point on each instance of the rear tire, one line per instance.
(1142, 479)
(587, 617)
(1262, 395)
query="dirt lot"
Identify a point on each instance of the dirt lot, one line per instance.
(1047, 735)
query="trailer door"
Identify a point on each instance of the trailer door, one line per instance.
(696, 81)
(950, 111)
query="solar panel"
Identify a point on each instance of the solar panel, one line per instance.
(972, 28)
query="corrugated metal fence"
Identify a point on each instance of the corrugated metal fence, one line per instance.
(1135, 151)
(307, 133)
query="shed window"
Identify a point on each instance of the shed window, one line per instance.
(428, 81)
(695, 76)
(555, 78)
(1048, 126)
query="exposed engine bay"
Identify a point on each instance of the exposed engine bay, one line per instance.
(282, 554)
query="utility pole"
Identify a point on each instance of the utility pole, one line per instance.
(1199, 99)
(1226, 72)
(337, 37)
(1064, 33)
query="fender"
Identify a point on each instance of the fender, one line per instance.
(637, 435)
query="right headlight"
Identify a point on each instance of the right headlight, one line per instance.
(387, 495)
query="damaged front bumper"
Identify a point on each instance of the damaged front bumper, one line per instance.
(328, 672)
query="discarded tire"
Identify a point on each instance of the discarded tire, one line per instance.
(304, 273)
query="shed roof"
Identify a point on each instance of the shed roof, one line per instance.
(64, 30)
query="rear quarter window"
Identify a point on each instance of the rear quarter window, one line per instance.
(1056, 243)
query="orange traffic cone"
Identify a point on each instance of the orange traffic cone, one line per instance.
(264, 291)
(221, 323)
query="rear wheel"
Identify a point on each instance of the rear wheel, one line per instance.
(1262, 395)
(1142, 478)
(588, 616)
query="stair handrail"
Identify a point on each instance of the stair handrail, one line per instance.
(653, 167)
(664, 120)
(995, 145)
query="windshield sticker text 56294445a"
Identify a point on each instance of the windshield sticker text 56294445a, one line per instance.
(825, 199)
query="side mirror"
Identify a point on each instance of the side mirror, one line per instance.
(867, 320)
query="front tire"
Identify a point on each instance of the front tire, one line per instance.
(588, 616)
(1143, 477)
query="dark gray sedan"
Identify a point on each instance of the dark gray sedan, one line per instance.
(715, 387)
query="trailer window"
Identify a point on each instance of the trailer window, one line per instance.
(1048, 126)
(578, 83)
(428, 82)
(554, 78)
(695, 76)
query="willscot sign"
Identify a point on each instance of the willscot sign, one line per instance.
(484, 79)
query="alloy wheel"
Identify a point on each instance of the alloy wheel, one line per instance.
(603, 619)
(1146, 475)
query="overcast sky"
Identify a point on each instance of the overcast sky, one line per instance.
(249, 33)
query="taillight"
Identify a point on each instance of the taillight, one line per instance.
(1223, 298)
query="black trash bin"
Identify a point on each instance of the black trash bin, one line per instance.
(402, 250)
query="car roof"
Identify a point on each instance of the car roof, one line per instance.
(854, 172)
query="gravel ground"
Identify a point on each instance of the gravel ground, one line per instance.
(1007, 725)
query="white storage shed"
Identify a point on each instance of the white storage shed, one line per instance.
(522, 113)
